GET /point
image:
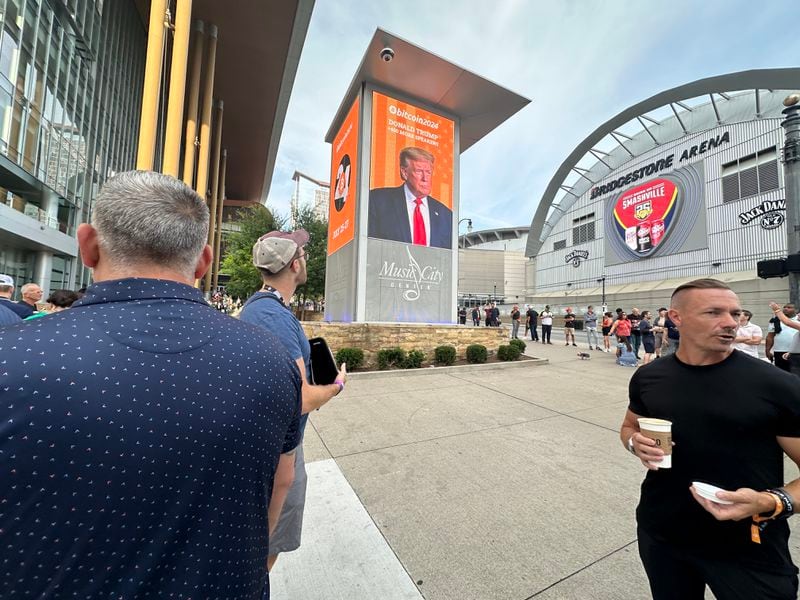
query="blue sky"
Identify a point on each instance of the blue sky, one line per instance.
(580, 61)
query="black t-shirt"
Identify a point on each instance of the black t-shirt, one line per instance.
(724, 421)
(515, 315)
(569, 320)
(646, 330)
(532, 315)
(635, 320)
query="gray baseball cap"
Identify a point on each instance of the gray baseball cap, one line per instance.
(6, 280)
(276, 249)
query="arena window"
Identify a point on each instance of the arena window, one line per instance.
(750, 175)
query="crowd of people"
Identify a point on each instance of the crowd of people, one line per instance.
(152, 446)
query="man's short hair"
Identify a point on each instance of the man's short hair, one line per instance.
(413, 153)
(24, 289)
(144, 217)
(706, 283)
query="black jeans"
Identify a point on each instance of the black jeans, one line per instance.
(786, 365)
(534, 333)
(677, 575)
(546, 330)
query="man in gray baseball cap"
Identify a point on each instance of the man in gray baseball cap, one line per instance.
(6, 291)
(280, 256)
(8, 316)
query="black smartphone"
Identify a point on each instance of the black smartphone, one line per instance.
(323, 366)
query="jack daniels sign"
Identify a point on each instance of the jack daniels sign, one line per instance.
(576, 256)
(771, 212)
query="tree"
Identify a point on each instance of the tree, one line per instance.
(254, 222)
(317, 249)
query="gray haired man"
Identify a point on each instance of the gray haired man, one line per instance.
(142, 443)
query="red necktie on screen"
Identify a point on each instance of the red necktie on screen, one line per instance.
(419, 225)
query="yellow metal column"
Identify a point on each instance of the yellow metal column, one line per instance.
(177, 88)
(220, 203)
(148, 124)
(191, 111)
(215, 159)
(205, 120)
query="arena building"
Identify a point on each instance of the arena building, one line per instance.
(491, 266)
(686, 184)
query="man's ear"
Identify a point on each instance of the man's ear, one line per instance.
(203, 262)
(88, 244)
(674, 316)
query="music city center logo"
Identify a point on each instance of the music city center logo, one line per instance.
(412, 278)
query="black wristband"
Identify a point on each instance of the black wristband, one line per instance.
(786, 500)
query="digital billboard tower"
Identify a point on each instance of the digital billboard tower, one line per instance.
(396, 141)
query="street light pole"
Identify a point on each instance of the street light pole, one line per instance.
(462, 244)
(791, 173)
(603, 301)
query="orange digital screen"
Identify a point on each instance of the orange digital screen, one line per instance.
(342, 211)
(412, 156)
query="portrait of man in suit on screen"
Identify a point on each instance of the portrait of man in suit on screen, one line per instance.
(408, 213)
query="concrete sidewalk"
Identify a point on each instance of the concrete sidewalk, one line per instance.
(508, 484)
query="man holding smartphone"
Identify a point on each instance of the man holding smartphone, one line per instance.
(281, 258)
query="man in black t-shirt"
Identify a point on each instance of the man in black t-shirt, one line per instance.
(733, 418)
(532, 321)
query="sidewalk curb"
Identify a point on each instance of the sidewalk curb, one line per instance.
(531, 362)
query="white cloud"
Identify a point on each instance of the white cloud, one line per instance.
(580, 61)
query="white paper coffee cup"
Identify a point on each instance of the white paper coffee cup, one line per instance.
(660, 431)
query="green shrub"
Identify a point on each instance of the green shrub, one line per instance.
(518, 344)
(391, 357)
(414, 359)
(354, 357)
(444, 355)
(476, 353)
(508, 352)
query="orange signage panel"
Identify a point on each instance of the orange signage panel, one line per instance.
(411, 161)
(342, 211)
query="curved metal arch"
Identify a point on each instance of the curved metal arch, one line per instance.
(756, 79)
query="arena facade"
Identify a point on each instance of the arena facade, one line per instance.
(688, 183)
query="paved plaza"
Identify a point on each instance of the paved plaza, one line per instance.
(475, 484)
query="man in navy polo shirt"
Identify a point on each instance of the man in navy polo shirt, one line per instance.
(140, 438)
(280, 257)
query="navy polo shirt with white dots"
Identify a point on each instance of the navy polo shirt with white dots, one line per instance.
(140, 431)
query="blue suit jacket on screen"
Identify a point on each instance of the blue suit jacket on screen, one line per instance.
(388, 218)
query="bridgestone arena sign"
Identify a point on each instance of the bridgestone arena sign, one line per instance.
(660, 165)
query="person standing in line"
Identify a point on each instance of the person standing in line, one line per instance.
(660, 330)
(495, 315)
(780, 339)
(7, 292)
(280, 257)
(487, 311)
(590, 323)
(622, 328)
(462, 315)
(476, 318)
(532, 318)
(547, 325)
(148, 448)
(515, 320)
(648, 337)
(569, 327)
(748, 335)
(31, 295)
(793, 356)
(733, 419)
(673, 338)
(608, 321)
(636, 336)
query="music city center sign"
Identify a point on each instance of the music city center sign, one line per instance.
(413, 278)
